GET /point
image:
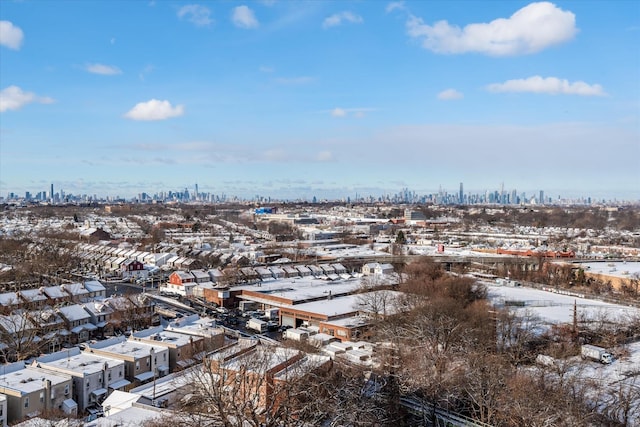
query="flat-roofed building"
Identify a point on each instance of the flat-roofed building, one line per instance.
(94, 377)
(31, 390)
(184, 350)
(142, 361)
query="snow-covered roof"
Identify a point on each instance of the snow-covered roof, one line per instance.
(9, 298)
(29, 379)
(77, 361)
(75, 289)
(94, 286)
(55, 292)
(74, 313)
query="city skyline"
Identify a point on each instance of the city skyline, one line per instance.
(304, 99)
(444, 196)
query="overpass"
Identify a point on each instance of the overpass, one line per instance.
(491, 261)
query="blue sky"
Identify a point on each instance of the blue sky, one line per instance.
(295, 99)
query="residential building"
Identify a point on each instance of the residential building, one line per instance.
(77, 322)
(93, 376)
(142, 361)
(184, 350)
(30, 391)
(181, 282)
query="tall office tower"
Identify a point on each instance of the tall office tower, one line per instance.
(514, 197)
(197, 194)
(51, 193)
(461, 195)
(541, 198)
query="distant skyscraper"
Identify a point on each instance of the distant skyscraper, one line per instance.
(51, 193)
(541, 200)
(197, 194)
(461, 195)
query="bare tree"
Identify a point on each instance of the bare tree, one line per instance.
(19, 337)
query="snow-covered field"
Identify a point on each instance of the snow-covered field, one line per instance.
(556, 308)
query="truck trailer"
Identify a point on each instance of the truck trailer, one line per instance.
(257, 325)
(599, 354)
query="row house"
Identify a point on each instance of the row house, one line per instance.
(205, 328)
(264, 273)
(132, 268)
(93, 377)
(184, 350)
(51, 295)
(277, 272)
(290, 271)
(78, 325)
(50, 325)
(95, 289)
(200, 276)
(131, 312)
(34, 298)
(247, 274)
(101, 313)
(143, 361)
(9, 301)
(216, 276)
(77, 291)
(30, 391)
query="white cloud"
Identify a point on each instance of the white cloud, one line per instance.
(353, 112)
(338, 18)
(531, 29)
(550, 85)
(154, 110)
(105, 70)
(196, 14)
(338, 112)
(13, 98)
(11, 36)
(243, 17)
(394, 5)
(450, 94)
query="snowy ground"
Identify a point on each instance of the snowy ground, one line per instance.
(556, 308)
(614, 389)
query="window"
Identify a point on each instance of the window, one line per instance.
(120, 373)
(137, 365)
(164, 356)
(26, 402)
(109, 376)
(42, 397)
(66, 390)
(88, 383)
